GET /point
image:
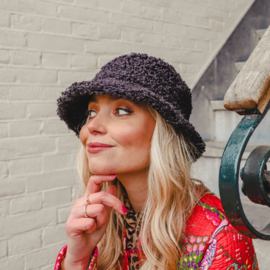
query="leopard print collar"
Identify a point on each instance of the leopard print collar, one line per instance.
(133, 226)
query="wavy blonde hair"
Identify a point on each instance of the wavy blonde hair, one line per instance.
(172, 195)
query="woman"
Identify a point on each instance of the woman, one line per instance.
(140, 208)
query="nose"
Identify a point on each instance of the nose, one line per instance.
(97, 125)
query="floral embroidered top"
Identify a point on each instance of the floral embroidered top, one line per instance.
(211, 242)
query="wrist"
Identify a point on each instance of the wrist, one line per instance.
(69, 264)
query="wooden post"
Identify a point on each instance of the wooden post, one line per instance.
(251, 88)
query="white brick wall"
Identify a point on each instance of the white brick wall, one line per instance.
(45, 46)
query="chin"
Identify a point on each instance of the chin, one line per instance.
(101, 169)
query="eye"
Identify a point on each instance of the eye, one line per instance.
(91, 114)
(122, 111)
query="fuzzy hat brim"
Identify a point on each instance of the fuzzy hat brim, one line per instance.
(73, 106)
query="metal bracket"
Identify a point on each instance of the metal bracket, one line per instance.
(255, 183)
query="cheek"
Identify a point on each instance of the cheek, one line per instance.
(136, 135)
(83, 135)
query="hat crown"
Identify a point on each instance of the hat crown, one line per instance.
(152, 73)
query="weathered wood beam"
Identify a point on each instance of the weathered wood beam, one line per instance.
(251, 88)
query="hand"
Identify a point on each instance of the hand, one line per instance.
(83, 234)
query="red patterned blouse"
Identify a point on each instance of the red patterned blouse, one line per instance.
(211, 242)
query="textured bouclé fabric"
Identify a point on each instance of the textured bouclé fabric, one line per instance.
(140, 78)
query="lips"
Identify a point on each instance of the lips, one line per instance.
(96, 144)
(96, 147)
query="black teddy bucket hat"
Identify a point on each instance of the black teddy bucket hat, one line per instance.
(137, 77)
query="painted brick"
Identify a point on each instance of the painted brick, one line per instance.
(104, 59)
(109, 32)
(25, 242)
(108, 47)
(58, 162)
(132, 35)
(3, 130)
(3, 169)
(111, 5)
(179, 42)
(4, 207)
(202, 45)
(3, 249)
(17, 147)
(4, 93)
(54, 127)
(184, 69)
(7, 75)
(11, 110)
(51, 180)
(57, 197)
(174, 29)
(63, 214)
(83, 14)
(87, 3)
(131, 7)
(130, 21)
(56, 26)
(46, 42)
(60, 60)
(41, 110)
(216, 25)
(16, 262)
(158, 26)
(26, 22)
(48, 267)
(4, 56)
(68, 143)
(23, 93)
(25, 204)
(85, 30)
(66, 1)
(215, 13)
(7, 186)
(84, 61)
(26, 58)
(4, 19)
(26, 222)
(45, 255)
(201, 21)
(30, 6)
(37, 7)
(171, 15)
(201, 34)
(69, 77)
(49, 93)
(52, 235)
(25, 166)
(188, 7)
(151, 12)
(218, 4)
(153, 39)
(36, 75)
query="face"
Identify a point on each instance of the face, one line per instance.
(126, 127)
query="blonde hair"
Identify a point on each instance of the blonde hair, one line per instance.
(172, 195)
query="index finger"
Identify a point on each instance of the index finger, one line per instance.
(94, 182)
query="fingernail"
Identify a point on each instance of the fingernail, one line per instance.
(124, 209)
(112, 175)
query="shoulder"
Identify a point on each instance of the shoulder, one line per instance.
(217, 242)
(207, 215)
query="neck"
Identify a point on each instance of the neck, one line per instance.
(136, 187)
